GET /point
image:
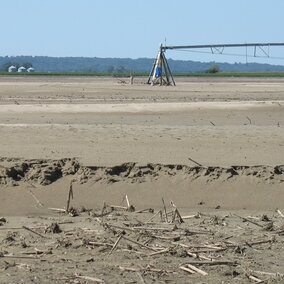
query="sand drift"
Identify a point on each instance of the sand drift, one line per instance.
(76, 152)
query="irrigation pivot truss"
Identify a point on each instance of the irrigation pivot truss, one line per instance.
(162, 75)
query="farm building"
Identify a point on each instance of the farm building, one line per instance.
(31, 69)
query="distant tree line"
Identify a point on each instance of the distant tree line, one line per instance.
(124, 65)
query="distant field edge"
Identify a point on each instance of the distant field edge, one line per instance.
(88, 74)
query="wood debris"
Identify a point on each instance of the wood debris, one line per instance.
(142, 246)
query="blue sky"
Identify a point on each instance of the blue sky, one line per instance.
(129, 28)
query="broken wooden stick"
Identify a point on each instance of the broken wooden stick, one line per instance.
(115, 244)
(195, 162)
(59, 210)
(277, 274)
(139, 244)
(103, 210)
(147, 268)
(36, 233)
(150, 219)
(190, 232)
(38, 252)
(248, 220)
(88, 278)
(99, 244)
(159, 252)
(209, 250)
(118, 207)
(255, 279)
(152, 229)
(127, 201)
(260, 242)
(130, 207)
(130, 269)
(196, 216)
(187, 270)
(198, 256)
(35, 198)
(150, 210)
(176, 214)
(213, 262)
(18, 256)
(165, 210)
(280, 213)
(194, 268)
(70, 195)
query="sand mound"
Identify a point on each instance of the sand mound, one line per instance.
(45, 172)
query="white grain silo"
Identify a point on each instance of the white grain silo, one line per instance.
(22, 69)
(12, 69)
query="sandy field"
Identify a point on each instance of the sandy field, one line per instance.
(106, 182)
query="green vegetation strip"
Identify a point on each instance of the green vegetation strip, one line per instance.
(69, 74)
(232, 74)
(87, 74)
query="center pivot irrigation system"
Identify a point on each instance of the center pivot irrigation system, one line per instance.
(161, 73)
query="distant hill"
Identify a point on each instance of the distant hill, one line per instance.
(120, 65)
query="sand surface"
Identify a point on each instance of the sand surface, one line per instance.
(215, 147)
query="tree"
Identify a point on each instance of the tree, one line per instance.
(213, 69)
(27, 65)
(6, 66)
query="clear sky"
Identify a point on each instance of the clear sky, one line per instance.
(135, 28)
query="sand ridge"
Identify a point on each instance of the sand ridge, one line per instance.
(44, 172)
